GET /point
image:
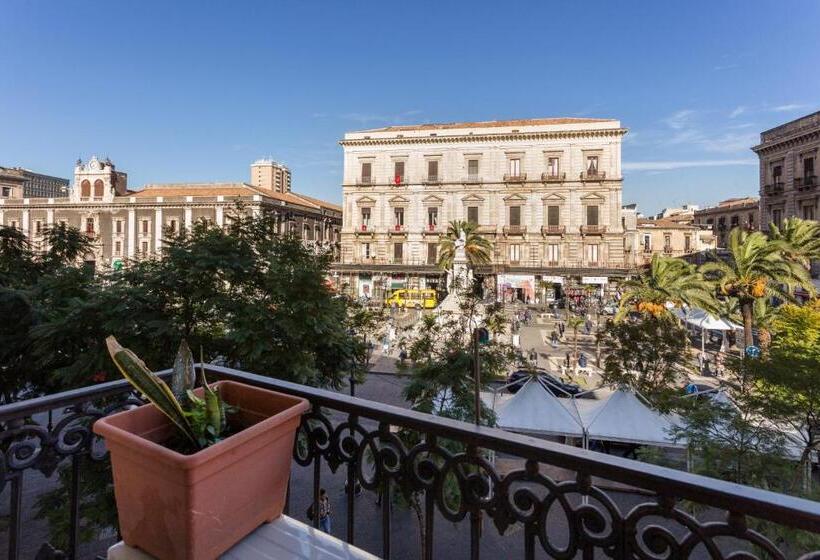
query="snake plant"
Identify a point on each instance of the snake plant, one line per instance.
(201, 421)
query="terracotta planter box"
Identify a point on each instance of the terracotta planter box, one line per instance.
(187, 507)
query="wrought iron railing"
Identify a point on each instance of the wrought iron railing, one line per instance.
(578, 517)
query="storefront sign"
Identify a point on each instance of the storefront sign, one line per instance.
(594, 280)
(553, 279)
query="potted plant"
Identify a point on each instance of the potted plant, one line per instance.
(196, 471)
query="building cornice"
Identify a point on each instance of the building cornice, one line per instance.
(503, 137)
(800, 137)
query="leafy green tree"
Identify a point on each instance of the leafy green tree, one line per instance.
(247, 296)
(479, 250)
(788, 380)
(755, 268)
(666, 280)
(646, 353)
(35, 286)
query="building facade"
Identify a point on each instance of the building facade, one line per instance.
(11, 183)
(788, 171)
(670, 237)
(126, 224)
(34, 185)
(729, 214)
(545, 192)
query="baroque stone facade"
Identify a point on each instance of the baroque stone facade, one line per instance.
(128, 224)
(546, 192)
(788, 171)
(671, 237)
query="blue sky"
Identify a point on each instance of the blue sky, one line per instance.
(176, 91)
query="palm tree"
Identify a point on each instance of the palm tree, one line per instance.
(755, 268)
(666, 280)
(479, 250)
(575, 322)
(800, 239)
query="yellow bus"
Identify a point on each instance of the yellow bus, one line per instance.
(419, 299)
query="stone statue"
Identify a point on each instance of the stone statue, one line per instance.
(460, 244)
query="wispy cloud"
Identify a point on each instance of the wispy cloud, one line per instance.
(670, 165)
(789, 107)
(722, 67)
(680, 119)
(739, 110)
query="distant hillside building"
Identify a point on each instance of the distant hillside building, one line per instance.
(729, 214)
(127, 224)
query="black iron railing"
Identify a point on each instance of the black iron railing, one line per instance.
(456, 483)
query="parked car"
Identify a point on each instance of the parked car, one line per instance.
(553, 384)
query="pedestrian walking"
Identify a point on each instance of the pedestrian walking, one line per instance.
(324, 511)
(582, 361)
(568, 360)
(700, 361)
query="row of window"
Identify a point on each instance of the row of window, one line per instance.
(777, 169)
(667, 243)
(552, 252)
(513, 215)
(473, 171)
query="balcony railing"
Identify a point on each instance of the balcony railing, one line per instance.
(593, 175)
(365, 181)
(431, 229)
(432, 179)
(593, 230)
(520, 178)
(773, 189)
(397, 229)
(805, 183)
(514, 230)
(352, 440)
(553, 177)
(553, 230)
(472, 179)
(364, 229)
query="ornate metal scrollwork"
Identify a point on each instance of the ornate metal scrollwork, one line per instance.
(463, 481)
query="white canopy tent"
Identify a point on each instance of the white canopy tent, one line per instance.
(622, 416)
(706, 322)
(534, 410)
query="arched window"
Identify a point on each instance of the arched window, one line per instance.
(98, 188)
(85, 189)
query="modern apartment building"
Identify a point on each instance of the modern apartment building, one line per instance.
(270, 175)
(546, 192)
(788, 170)
(128, 224)
(729, 214)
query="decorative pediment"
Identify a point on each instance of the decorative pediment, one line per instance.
(398, 200)
(432, 200)
(553, 197)
(472, 198)
(365, 201)
(515, 197)
(592, 197)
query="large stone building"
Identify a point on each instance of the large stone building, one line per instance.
(128, 224)
(788, 171)
(729, 214)
(546, 192)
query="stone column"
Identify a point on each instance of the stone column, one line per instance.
(219, 216)
(25, 223)
(132, 232)
(188, 217)
(157, 229)
(50, 217)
